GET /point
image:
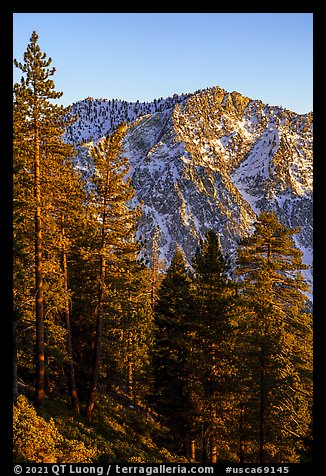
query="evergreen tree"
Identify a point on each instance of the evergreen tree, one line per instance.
(156, 266)
(215, 297)
(117, 223)
(172, 354)
(23, 245)
(82, 258)
(275, 341)
(68, 208)
(133, 323)
(38, 128)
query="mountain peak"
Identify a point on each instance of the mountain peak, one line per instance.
(211, 159)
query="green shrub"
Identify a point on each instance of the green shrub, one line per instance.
(38, 440)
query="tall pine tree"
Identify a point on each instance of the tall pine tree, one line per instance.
(275, 342)
(38, 128)
(172, 353)
(214, 306)
(117, 224)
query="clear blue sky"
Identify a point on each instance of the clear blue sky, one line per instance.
(143, 56)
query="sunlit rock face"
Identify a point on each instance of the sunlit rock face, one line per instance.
(211, 159)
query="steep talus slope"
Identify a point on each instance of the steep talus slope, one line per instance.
(211, 159)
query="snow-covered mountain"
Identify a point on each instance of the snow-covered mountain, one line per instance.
(210, 159)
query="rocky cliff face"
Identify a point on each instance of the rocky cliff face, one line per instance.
(211, 159)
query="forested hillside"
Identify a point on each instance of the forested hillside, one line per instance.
(122, 356)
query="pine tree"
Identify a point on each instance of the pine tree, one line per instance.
(214, 306)
(117, 219)
(134, 325)
(69, 212)
(23, 277)
(274, 342)
(155, 266)
(38, 128)
(81, 244)
(172, 351)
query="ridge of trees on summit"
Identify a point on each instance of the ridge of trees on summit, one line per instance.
(221, 358)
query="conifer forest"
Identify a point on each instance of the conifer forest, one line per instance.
(121, 357)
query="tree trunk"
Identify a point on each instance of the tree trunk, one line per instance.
(98, 339)
(40, 365)
(15, 377)
(262, 392)
(212, 438)
(213, 449)
(186, 446)
(193, 451)
(241, 429)
(71, 369)
(130, 382)
(205, 454)
(189, 446)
